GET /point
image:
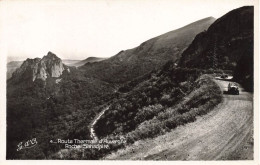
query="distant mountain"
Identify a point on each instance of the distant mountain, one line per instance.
(150, 55)
(87, 60)
(227, 44)
(11, 67)
(32, 69)
(69, 62)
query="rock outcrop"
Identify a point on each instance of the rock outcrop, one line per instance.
(33, 69)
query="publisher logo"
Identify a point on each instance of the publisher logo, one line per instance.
(28, 144)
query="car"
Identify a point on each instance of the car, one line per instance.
(224, 76)
(233, 89)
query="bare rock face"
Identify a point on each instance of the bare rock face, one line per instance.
(32, 69)
(49, 66)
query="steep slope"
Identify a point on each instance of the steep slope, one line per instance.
(150, 55)
(227, 44)
(244, 71)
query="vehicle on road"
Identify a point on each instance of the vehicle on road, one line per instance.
(233, 89)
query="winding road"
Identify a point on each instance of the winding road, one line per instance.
(92, 130)
(225, 133)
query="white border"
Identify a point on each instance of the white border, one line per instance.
(3, 60)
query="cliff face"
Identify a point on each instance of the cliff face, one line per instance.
(224, 43)
(32, 69)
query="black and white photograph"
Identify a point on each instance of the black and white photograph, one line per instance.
(129, 80)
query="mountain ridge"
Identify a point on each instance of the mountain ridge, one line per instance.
(151, 54)
(88, 60)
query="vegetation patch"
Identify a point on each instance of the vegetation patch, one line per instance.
(205, 96)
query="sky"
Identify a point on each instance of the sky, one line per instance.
(101, 28)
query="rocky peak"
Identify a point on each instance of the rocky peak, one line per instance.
(49, 66)
(50, 56)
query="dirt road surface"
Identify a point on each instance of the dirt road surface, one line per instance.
(225, 133)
